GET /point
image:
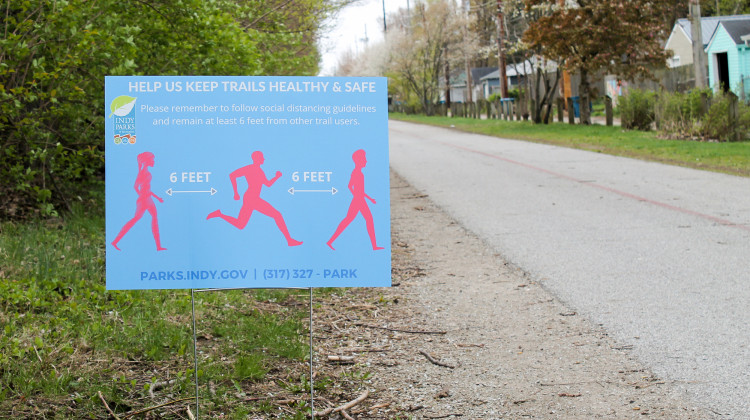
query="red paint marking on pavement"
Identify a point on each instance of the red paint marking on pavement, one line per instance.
(718, 220)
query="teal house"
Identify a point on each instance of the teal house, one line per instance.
(728, 55)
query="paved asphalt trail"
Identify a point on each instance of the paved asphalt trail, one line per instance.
(659, 255)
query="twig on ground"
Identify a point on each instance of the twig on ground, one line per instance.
(145, 410)
(625, 347)
(111, 413)
(442, 416)
(470, 345)
(571, 383)
(285, 401)
(37, 355)
(190, 414)
(346, 406)
(399, 330)
(435, 362)
(341, 360)
(345, 415)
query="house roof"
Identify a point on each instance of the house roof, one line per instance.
(512, 70)
(477, 73)
(527, 67)
(708, 25)
(736, 29)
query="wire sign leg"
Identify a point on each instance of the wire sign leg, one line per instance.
(195, 352)
(312, 397)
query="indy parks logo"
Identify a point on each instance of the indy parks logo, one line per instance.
(123, 110)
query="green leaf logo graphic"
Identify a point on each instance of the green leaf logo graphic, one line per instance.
(122, 105)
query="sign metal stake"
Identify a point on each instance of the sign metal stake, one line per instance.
(195, 352)
(312, 398)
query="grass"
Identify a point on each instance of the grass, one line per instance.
(732, 158)
(65, 338)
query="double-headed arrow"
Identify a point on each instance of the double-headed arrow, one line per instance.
(331, 191)
(170, 191)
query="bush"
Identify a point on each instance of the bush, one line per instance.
(637, 110)
(680, 114)
(717, 125)
(54, 56)
(700, 114)
(512, 93)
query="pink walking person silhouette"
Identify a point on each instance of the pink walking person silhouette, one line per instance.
(144, 202)
(358, 204)
(251, 200)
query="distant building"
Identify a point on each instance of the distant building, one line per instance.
(680, 41)
(516, 74)
(458, 85)
(729, 57)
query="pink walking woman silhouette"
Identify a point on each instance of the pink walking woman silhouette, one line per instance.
(358, 204)
(251, 200)
(144, 202)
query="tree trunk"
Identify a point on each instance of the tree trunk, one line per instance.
(549, 96)
(583, 101)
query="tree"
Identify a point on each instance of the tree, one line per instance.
(724, 7)
(420, 41)
(621, 37)
(54, 56)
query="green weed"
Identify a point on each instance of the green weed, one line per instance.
(65, 338)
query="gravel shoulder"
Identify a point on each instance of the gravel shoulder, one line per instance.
(464, 333)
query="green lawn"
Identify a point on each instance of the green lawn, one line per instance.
(732, 158)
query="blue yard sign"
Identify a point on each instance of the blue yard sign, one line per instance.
(224, 182)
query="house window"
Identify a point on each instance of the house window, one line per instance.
(676, 61)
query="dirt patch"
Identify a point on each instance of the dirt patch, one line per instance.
(463, 333)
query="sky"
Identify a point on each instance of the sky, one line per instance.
(347, 30)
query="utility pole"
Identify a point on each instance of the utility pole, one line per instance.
(699, 56)
(501, 50)
(467, 61)
(385, 28)
(447, 79)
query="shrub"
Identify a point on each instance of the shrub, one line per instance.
(637, 110)
(716, 124)
(54, 56)
(701, 114)
(679, 114)
(512, 93)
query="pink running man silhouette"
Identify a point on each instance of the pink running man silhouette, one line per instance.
(358, 204)
(144, 202)
(251, 200)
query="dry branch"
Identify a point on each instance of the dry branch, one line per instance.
(341, 360)
(399, 330)
(346, 406)
(345, 415)
(435, 362)
(145, 410)
(114, 416)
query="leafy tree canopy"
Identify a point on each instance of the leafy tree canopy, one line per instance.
(54, 56)
(622, 37)
(724, 7)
